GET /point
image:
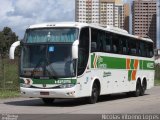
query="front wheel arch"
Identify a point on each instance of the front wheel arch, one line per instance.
(97, 82)
(94, 92)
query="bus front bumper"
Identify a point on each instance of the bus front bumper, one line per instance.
(48, 93)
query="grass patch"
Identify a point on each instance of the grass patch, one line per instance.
(9, 94)
(157, 82)
(9, 74)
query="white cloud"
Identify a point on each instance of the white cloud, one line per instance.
(5, 6)
(19, 14)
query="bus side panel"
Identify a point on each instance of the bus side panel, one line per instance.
(148, 75)
(112, 81)
(118, 73)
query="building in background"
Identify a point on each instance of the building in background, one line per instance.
(87, 11)
(103, 12)
(144, 19)
(112, 13)
(127, 17)
(158, 24)
(129, 3)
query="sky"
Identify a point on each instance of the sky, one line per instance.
(20, 14)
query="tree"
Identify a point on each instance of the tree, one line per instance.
(7, 37)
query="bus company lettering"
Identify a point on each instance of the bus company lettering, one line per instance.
(107, 74)
(150, 65)
(100, 63)
(62, 81)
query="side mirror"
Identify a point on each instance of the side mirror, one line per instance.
(75, 49)
(12, 49)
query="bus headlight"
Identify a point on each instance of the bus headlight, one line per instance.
(66, 85)
(25, 85)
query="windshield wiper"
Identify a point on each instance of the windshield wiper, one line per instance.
(54, 72)
(44, 68)
(38, 64)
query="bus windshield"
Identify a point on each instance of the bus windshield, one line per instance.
(47, 60)
(42, 35)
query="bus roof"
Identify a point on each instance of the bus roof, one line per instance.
(81, 25)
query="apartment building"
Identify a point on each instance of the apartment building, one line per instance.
(87, 11)
(126, 16)
(103, 12)
(144, 19)
(158, 24)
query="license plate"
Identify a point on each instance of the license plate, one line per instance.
(44, 93)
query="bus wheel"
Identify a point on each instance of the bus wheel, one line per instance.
(143, 88)
(138, 89)
(48, 101)
(94, 96)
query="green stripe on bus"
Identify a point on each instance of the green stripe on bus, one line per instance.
(120, 63)
(129, 75)
(141, 65)
(52, 81)
(132, 64)
(149, 65)
(92, 60)
(111, 62)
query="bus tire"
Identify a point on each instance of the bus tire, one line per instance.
(137, 92)
(143, 87)
(94, 95)
(48, 101)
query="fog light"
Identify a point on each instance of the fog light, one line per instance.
(71, 93)
(23, 92)
(25, 85)
(66, 85)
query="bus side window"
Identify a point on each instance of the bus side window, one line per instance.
(129, 47)
(121, 46)
(93, 40)
(124, 50)
(83, 51)
(147, 49)
(93, 46)
(108, 42)
(114, 48)
(108, 48)
(142, 48)
(124, 46)
(134, 50)
(115, 43)
(98, 40)
(138, 50)
(103, 41)
(150, 50)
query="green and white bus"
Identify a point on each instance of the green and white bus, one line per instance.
(80, 60)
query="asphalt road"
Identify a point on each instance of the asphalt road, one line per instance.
(119, 103)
